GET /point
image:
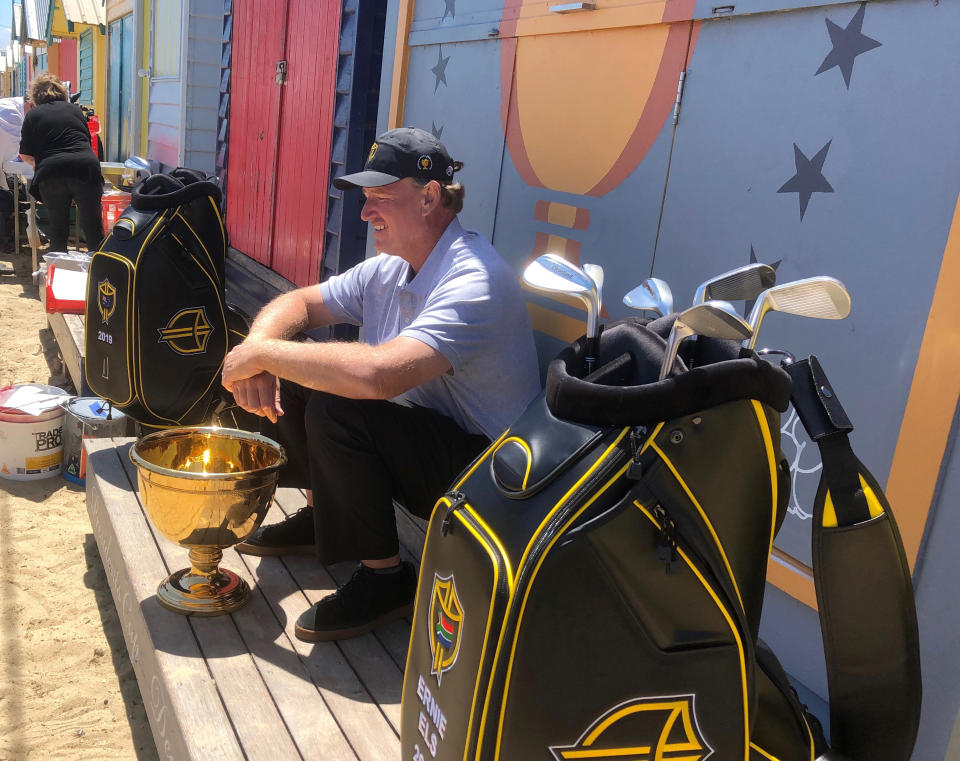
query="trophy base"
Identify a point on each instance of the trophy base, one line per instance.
(195, 594)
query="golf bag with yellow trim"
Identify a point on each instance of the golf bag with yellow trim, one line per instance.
(157, 324)
(591, 587)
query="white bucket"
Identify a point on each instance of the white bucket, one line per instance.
(31, 431)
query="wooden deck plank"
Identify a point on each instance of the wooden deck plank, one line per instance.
(274, 697)
(263, 709)
(356, 712)
(375, 663)
(187, 716)
(368, 725)
(395, 636)
(311, 723)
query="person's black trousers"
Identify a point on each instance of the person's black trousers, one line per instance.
(358, 456)
(57, 195)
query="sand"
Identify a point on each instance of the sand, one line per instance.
(67, 689)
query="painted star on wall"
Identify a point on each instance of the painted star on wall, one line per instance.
(449, 6)
(848, 43)
(440, 70)
(435, 130)
(809, 178)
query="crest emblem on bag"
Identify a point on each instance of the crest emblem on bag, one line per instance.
(643, 728)
(444, 622)
(106, 299)
(188, 331)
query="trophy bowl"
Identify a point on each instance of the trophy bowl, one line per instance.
(206, 488)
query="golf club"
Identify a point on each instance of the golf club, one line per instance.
(742, 283)
(595, 271)
(554, 274)
(822, 298)
(716, 319)
(652, 295)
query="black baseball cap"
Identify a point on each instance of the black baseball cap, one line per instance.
(399, 153)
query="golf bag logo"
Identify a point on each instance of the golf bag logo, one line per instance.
(188, 331)
(106, 300)
(444, 623)
(644, 729)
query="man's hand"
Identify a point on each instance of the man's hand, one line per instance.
(260, 395)
(253, 389)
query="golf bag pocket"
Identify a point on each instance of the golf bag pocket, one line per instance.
(157, 326)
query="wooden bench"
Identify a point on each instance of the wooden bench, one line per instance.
(67, 329)
(241, 686)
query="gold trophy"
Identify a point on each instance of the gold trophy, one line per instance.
(206, 489)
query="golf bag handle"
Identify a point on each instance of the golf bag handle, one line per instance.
(644, 400)
(165, 191)
(864, 590)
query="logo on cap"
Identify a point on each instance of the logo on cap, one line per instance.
(450, 171)
(373, 150)
(425, 163)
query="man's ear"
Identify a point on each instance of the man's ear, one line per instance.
(431, 197)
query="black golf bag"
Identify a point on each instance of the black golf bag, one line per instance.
(591, 587)
(157, 324)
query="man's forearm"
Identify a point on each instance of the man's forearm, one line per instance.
(350, 369)
(283, 318)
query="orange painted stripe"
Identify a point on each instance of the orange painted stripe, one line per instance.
(554, 324)
(545, 243)
(931, 405)
(562, 214)
(401, 57)
(793, 577)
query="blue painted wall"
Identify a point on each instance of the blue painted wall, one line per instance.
(823, 139)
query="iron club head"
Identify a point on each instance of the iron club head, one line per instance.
(822, 298)
(716, 319)
(552, 273)
(741, 283)
(652, 295)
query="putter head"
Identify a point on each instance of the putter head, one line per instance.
(742, 283)
(652, 295)
(821, 298)
(716, 319)
(554, 274)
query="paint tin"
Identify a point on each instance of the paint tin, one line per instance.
(31, 431)
(88, 417)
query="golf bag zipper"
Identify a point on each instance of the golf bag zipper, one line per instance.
(457, 500)
(667, 539)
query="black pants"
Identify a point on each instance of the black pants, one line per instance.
(57, 195)
(358, 456)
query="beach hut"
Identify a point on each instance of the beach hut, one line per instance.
(680, 139)
(299, 102)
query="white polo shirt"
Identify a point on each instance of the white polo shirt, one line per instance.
(466, 303)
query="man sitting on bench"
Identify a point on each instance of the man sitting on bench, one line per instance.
(446, 364)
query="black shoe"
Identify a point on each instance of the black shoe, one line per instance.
(370, 599)
(291, 536)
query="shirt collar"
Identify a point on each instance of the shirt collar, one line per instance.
(424, 278)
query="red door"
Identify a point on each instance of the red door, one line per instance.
(279, 145)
